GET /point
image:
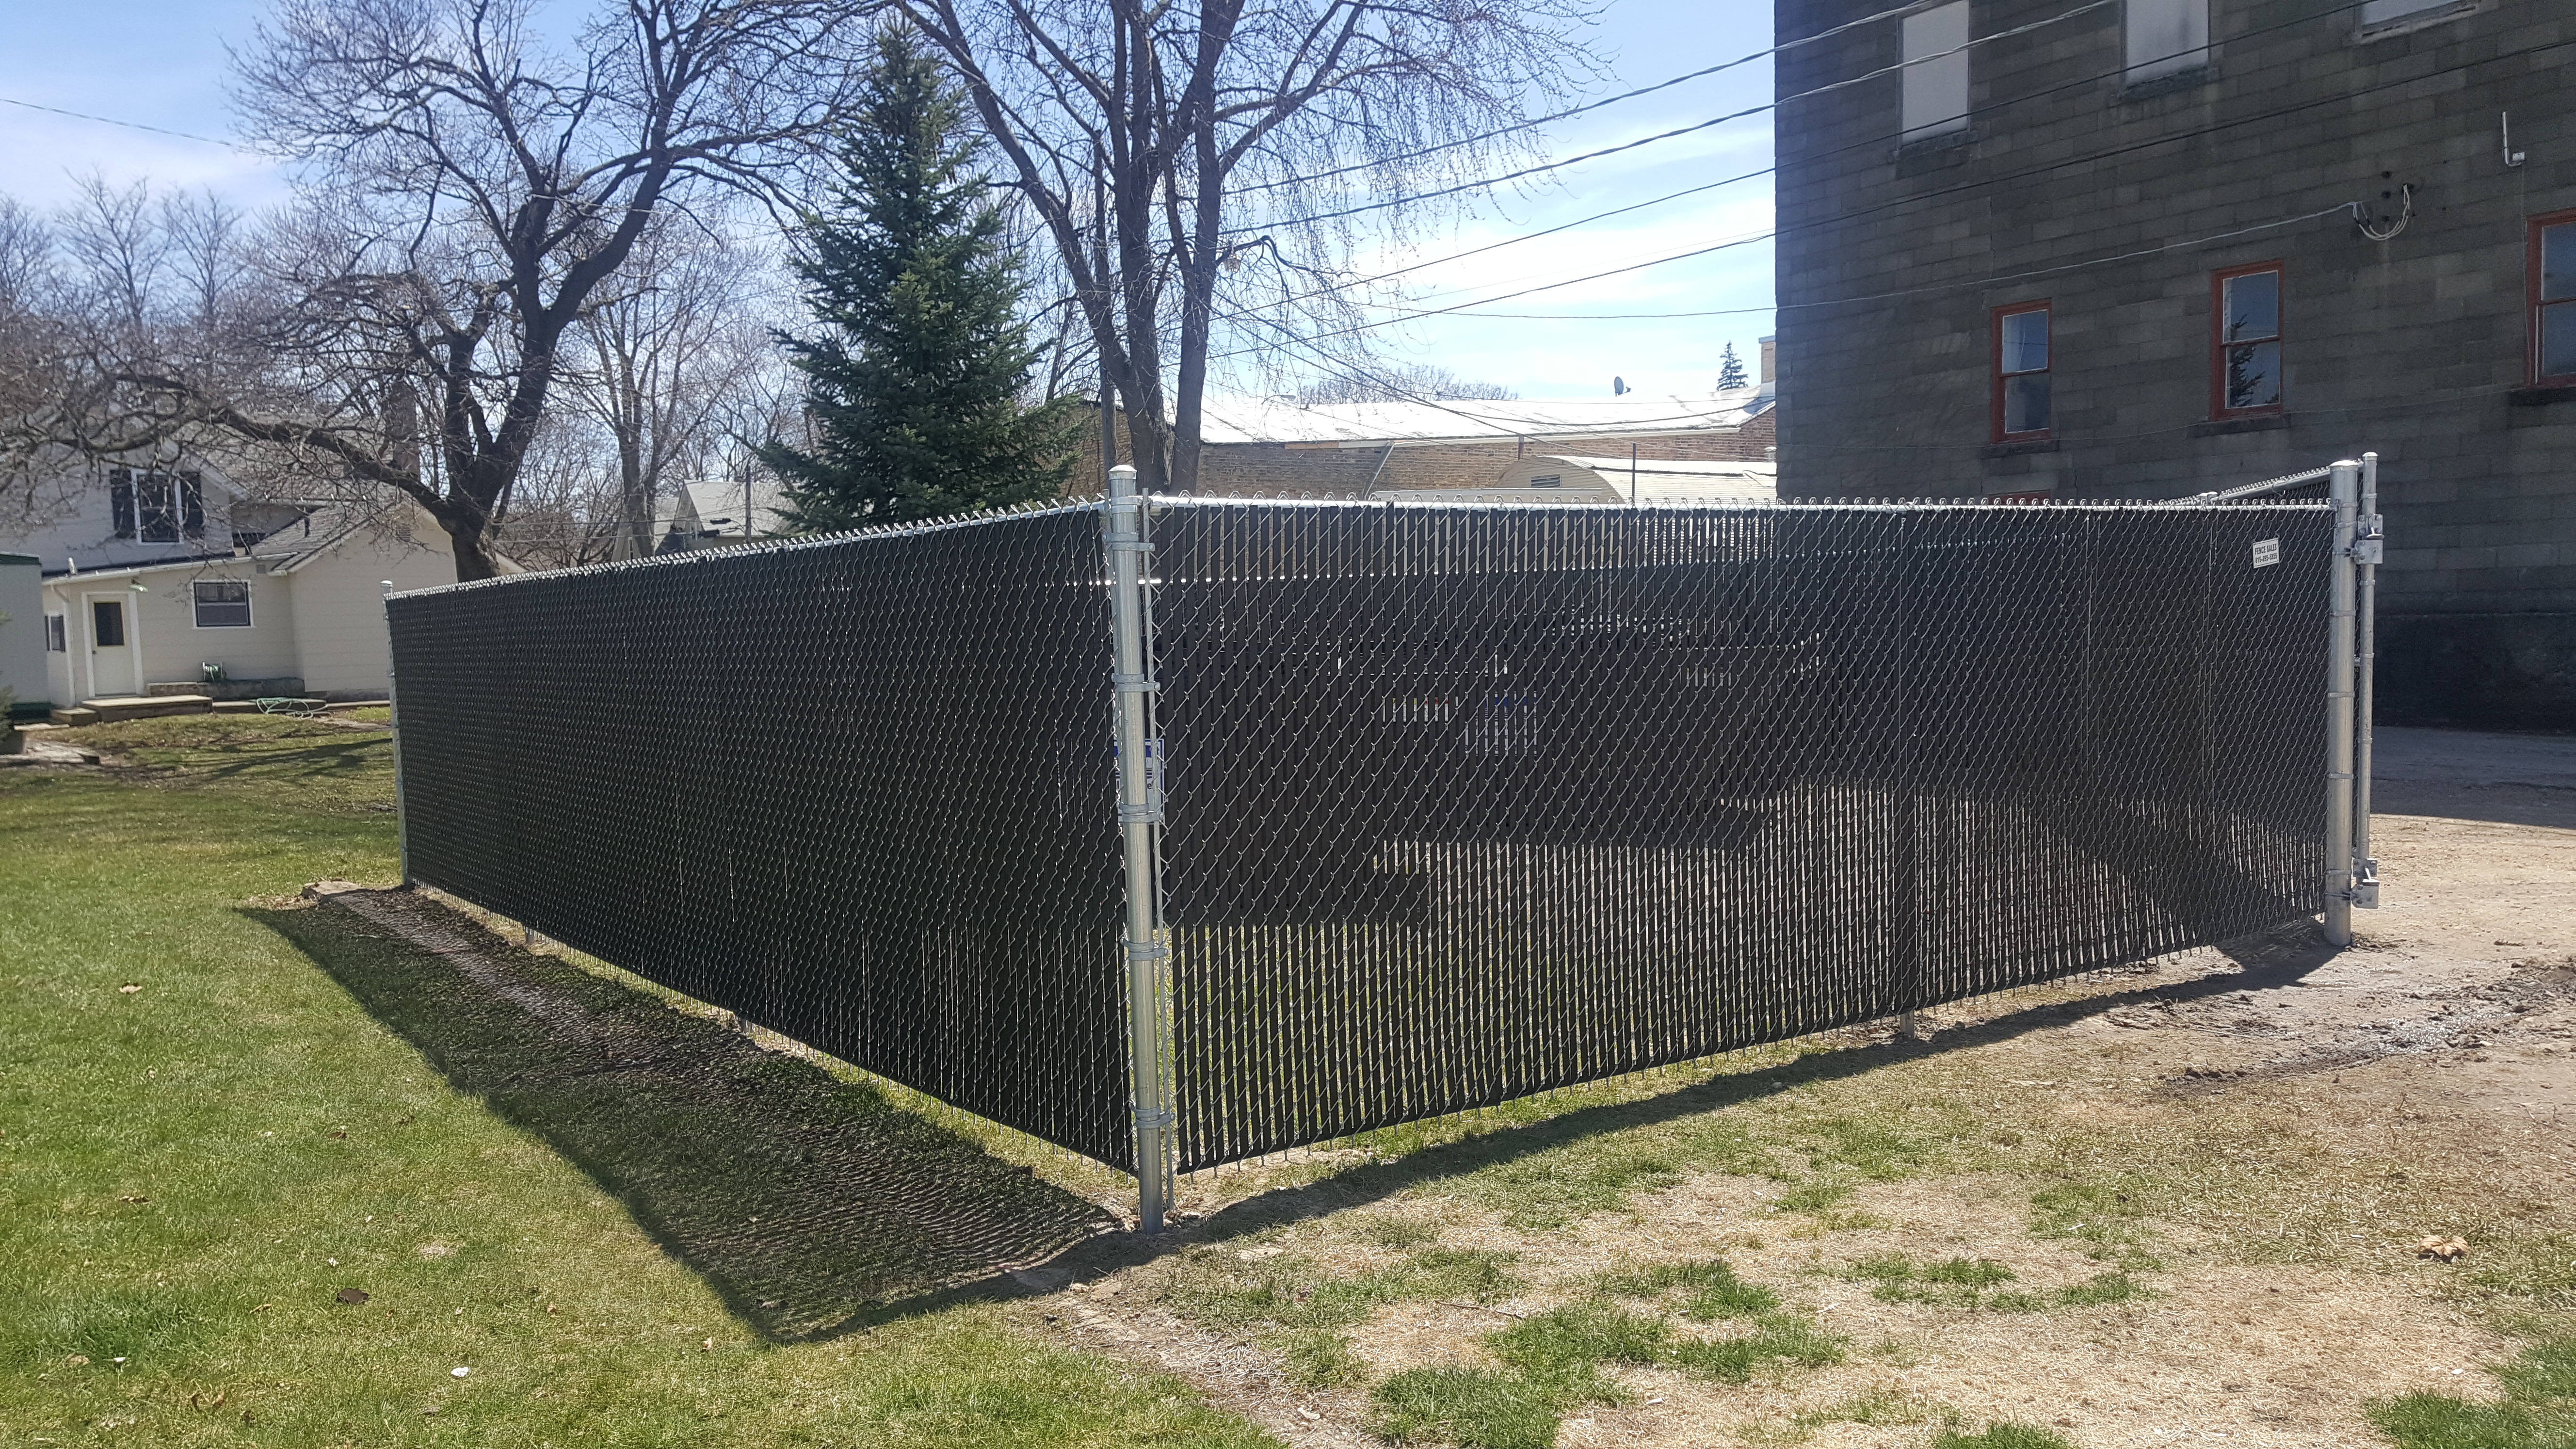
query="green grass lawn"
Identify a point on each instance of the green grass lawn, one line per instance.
(225, 1115)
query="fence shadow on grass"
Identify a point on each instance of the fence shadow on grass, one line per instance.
(2272, 958)
(812, 1204)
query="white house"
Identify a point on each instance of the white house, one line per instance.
(713, 512)
(178, 578)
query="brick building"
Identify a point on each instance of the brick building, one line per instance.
(1266, 448)
(2153, 247)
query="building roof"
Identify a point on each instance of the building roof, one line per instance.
(1247, 419)
(716, 505)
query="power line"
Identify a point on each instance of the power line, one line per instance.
(1775, 104)
(112, 121)
(1314, 176)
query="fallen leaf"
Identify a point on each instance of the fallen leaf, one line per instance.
(1306, 1413)
(339, 1134)
(78, 1358)
(707, 1346)
(2449, 1250)
(132, 1197)
(129, 988)
(263, 1308)
(348, 1295)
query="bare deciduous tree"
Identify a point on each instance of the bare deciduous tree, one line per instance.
(1162, 147)
(467, 194)
(674, 338)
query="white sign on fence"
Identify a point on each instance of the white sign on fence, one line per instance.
(2267, 552)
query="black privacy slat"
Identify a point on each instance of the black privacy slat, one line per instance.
(859, 791)
(1469, 803)
(1462, 803)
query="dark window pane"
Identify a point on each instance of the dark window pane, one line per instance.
(107, 623)
(223, 604)
(2253, 306)
(2558, 340)
(54, 634)
(2558, 262)
(192, 505)
(120, 500)
(2026, 342)
(157, 509)
(2254, 376)
(2026, 403)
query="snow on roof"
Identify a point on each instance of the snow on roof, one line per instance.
(1246, 419)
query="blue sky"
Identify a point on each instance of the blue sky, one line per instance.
(162, 63)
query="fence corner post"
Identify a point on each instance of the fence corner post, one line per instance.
(1125, 548)
(2369, 540)
(393, 725)
(2341, 610)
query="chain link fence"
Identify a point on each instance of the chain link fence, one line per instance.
(855, 790)
(1465, 804)
(1453, 804)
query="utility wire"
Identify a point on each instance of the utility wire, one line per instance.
(112, 121)
(1775, 104)
(1315, 176)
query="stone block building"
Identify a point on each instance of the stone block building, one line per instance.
(2148, 248)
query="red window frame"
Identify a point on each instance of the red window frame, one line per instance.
(1997, 375)
(2219, 411)
(2533, 304)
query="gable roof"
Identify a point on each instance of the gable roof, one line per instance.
(1247, 419)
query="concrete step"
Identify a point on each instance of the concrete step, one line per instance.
(145, 706)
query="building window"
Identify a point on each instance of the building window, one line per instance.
(1936, 91)
(2553, 299)
(157, 507)
(2021, 372)
(106, 624)
(223, 604)
(2390, 17)
(57, 640)
(2245, 341)
(2163, 37)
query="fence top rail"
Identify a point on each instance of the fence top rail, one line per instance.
(705, 556)
(2237, 499)
(1754, 505)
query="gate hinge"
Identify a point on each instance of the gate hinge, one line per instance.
(2365, 884)
(1135, 683)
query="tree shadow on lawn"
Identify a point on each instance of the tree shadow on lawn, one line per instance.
(2271, 958)
(812, 1204)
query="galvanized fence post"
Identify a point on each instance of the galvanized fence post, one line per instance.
(1140, 816)
(2368, 537)
(393, 723)
(2339, 707)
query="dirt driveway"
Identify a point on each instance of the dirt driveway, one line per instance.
(2178, 1203)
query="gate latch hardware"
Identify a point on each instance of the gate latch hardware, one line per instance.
(2369, 540)
(2365, 884)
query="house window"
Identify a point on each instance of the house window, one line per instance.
(2245, 341)
(1936, 91)
(157, 507)
(2553, 299)
(2163, 37)
(57, 640)
(106, 624)
(223, 604)
(2021, 372)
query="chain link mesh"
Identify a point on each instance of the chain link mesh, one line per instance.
(860, 791)
(1468, 803)
(1462, 802)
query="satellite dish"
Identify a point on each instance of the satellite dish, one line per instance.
(1618, 387)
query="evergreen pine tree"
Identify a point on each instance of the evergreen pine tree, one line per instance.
(913, 383)
(1730, 369)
